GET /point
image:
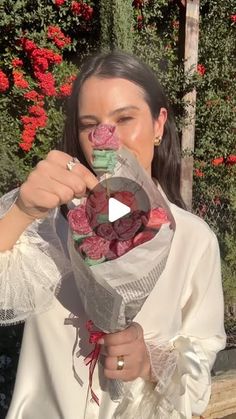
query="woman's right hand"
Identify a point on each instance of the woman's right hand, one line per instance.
(51, 184)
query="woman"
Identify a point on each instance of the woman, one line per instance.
(184, 311)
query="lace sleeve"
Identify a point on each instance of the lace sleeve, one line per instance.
(31, 272)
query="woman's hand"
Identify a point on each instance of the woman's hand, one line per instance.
(51, 184)
(130, 344)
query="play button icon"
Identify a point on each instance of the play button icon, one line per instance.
(116, 209)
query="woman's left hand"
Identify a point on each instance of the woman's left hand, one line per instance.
(129, 344)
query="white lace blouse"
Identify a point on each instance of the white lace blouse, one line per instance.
(184, 311)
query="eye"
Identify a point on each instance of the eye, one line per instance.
(124, 119)
(86, 127)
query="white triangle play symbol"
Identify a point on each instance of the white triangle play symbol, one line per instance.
(116, 209)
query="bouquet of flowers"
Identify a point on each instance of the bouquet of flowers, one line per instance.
(116, 265)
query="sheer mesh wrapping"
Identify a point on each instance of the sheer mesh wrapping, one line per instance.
(163, 359)
(31, 272)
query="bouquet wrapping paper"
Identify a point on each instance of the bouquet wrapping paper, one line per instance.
(114, 291)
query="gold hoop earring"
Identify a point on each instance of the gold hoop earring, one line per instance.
(157, 140)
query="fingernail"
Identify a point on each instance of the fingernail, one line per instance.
(101, 341)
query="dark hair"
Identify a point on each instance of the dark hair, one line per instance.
(167, 157)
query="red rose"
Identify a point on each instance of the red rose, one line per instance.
(143, 236)
(217, 161)
(156, 217)
(98, 202)
(104, 137)
(94, 247)
(4, 82)
(78, 220)
(231, 159)
(127, 198)
(201, 69)
(127, 227)
(106, 231)
(119, 248)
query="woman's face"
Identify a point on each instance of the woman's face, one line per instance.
(121, 103)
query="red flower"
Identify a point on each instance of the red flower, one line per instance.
(198, 173)
(28, 45)
(217, 161)
(127, 227)
(201, 69)
(25, 146)
(19, 80)
(33, 95)
(65, 89)
(233, 18)
(231, 159)
(104, 137)
(76, 8)
(47, 83)
(94, 247)
(4, 82)
(156, 218)
(78, 220)
(59, 2)
(137, 3)
(58, 37)
(143, 237)
(87, 12)
(17, 62)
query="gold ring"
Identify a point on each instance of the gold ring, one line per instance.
(72, 163)
(120, 362)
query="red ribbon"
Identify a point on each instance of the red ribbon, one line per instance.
(92, 358)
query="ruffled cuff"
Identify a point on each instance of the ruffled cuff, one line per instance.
(182, 385)
(31, 272)
(190, 386)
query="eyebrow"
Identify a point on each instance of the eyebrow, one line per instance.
(116, 111)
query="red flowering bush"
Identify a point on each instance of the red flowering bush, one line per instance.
(36, 76)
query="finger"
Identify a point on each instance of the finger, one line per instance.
(123, 375)
(125, 336)
(125, 349)
(110, 363)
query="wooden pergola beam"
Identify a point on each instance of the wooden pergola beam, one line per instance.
(188, 132)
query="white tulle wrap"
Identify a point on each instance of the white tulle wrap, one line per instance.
(172, 364)
(32, 271)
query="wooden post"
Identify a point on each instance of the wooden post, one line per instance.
(191, 58)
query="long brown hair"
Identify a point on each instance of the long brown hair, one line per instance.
(167, 158)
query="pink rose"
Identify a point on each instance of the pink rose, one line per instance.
(156, 217)
(106, 231)
(119, 248)
(127, 227)
(94, 247)
(126, 198)
(143, 237)
(78, 220)
(104, 137)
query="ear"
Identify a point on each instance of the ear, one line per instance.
(159, 122)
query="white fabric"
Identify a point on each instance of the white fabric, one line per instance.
(32, 271)
(185, 309)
